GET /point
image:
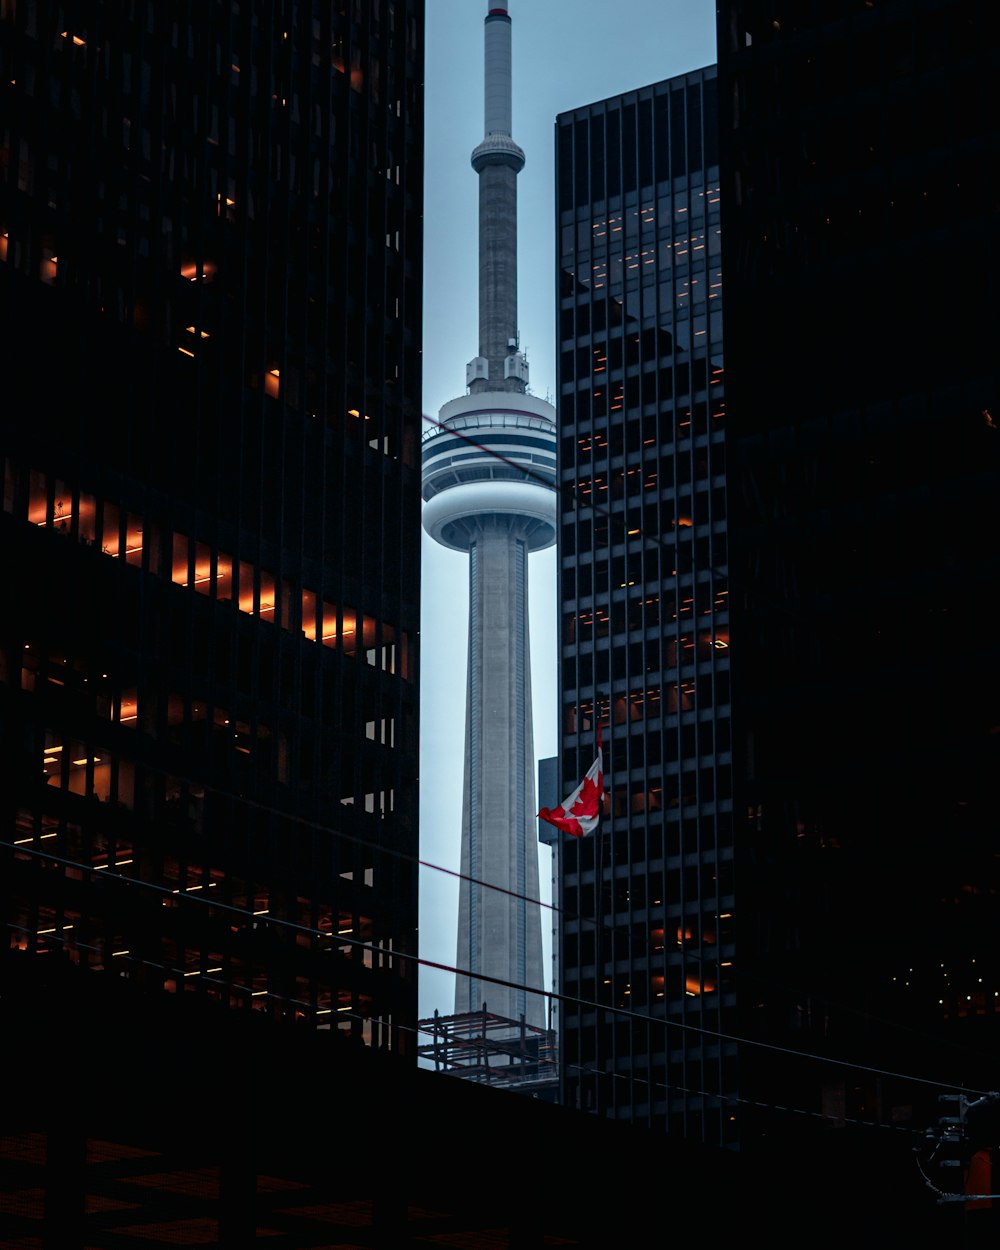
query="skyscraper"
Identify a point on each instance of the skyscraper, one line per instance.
(647, 939)
(855, 157)
(210, 251)
(488, 487)
(858, 157)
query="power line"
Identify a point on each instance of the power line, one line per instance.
(395, 853)
(561, 489)
(550, 995)
(666, 1088)
(486, 885)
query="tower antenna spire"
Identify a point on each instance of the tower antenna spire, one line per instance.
(500, 366)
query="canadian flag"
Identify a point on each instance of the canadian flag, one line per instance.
(581, 811)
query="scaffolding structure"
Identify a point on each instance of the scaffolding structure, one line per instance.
(493, 1050)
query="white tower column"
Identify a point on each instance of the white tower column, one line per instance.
(499, 934)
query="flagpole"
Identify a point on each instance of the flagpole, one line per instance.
(579, 816)
(599, 937)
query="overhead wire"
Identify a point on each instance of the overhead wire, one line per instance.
(513, 1051)
(395, 853)
(337, 939)
(561, 489)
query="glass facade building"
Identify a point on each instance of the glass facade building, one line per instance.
(210, 251)
(647, 937)
(859, 172)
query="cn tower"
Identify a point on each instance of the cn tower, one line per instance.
(489, 471)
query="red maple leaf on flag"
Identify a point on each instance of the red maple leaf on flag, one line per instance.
(580, 811)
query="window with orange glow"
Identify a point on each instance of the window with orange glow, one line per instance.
(328, 630)
(128, 708)
(37, 497)
(310, 623)
(247, 593)
(202, 582)
(195, 565)
(351, 639)
(133, 539)
(268, 598)
(179, 571)
(224, 577)
(48, 266)
(87, 519)
(110, 532)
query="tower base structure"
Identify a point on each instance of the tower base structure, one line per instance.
(491, 1050)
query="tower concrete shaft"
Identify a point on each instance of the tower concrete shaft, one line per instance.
(499, 933)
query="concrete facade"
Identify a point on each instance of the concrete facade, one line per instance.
(499, 935)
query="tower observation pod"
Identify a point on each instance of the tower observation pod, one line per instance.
(489, 474)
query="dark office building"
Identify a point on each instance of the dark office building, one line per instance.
(647, 905)
(210, 266)
(859, 155)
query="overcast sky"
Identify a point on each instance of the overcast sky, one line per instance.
(566, 53)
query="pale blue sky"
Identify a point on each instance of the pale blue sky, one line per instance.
(566, 53)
